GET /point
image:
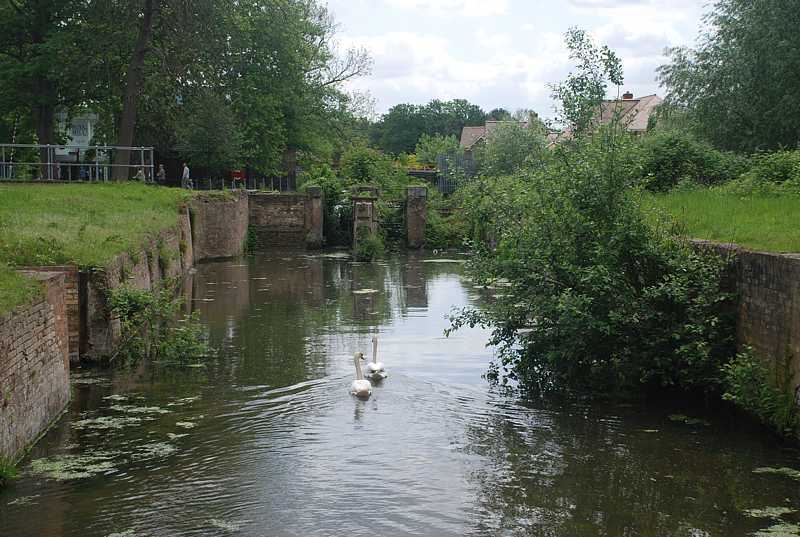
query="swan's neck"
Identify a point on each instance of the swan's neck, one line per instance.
(374, 350)
(359, 373)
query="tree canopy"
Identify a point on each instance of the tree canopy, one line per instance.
(401, 127)
(142, 64)
(739, 85)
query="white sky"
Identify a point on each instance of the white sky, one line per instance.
(503, 52)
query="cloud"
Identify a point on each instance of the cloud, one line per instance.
(453, 8)
(510, 51)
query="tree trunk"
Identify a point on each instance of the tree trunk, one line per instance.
(135, 81)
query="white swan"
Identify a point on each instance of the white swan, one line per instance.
(375, 369)
(360, 387)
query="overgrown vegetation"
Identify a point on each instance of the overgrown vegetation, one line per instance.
(369, 245)
(150, 329)
(594, 299)
(15, 289)
(765, 394)
(8, 471)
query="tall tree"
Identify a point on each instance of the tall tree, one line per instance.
(401, 127)
(135, 81)
(35, 52)
(739, 85)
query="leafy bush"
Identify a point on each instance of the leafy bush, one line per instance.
(149, 326)
(596, 298)
(779, 167)
(363, 165)
(748, 384)
(666, 158)
(368, 245)
(337, 210)
(450, 230)
(430, 147)
(511, 146)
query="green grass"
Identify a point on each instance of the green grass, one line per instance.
(85, 225)
(16, 289)
(759, 221)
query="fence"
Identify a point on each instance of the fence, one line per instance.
(454, 168)
(30, 162)
(277, 184)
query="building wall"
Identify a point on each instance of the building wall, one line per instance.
(34, 366)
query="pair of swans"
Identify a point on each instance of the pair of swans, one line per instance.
(362, 387)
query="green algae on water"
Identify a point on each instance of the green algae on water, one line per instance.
(224, 524)
(132, 409)
(186, 424)
(70, 467)
(788, 472)
(769, 512)
(680, 418)
(781, 530)
(154, 450)
(107, 423)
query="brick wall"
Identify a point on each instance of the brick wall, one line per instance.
(219, 225)
(72, 301)
(34, 366)
(768, 304)
(280, 219)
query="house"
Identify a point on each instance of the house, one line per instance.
(633, 113)
(471, 137)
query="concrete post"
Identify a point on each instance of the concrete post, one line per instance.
(364, 217)
(315, 215)
(416, 215)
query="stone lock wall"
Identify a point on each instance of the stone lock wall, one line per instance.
(288, 220)
(219, 225)
(167, 256)
(34, 366)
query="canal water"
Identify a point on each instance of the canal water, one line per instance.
(265, 440)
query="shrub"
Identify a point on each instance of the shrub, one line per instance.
(149, 326)
(511, 146)
(430, 147)
(748, 385)
(665, 158)
(336, 217)
(779, 167)
(368, 245)
(597, 299)
(363, 165)
(8, 471)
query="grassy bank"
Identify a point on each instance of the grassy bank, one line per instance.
(759, 222)
(87, 225)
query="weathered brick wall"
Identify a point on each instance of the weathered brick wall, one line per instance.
(34, 366)
(768, 307)
(72, 300)
(280, 219)
(166, 256)
(219, 225)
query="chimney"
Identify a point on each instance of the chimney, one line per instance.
(627, 96)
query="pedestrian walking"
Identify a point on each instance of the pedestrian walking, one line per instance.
(161, 176)
(186, 181)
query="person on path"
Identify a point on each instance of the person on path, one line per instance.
(186, 181)
(161, 176)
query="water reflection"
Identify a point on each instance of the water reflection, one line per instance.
(265, 439)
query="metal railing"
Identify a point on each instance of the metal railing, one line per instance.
(30, 162)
